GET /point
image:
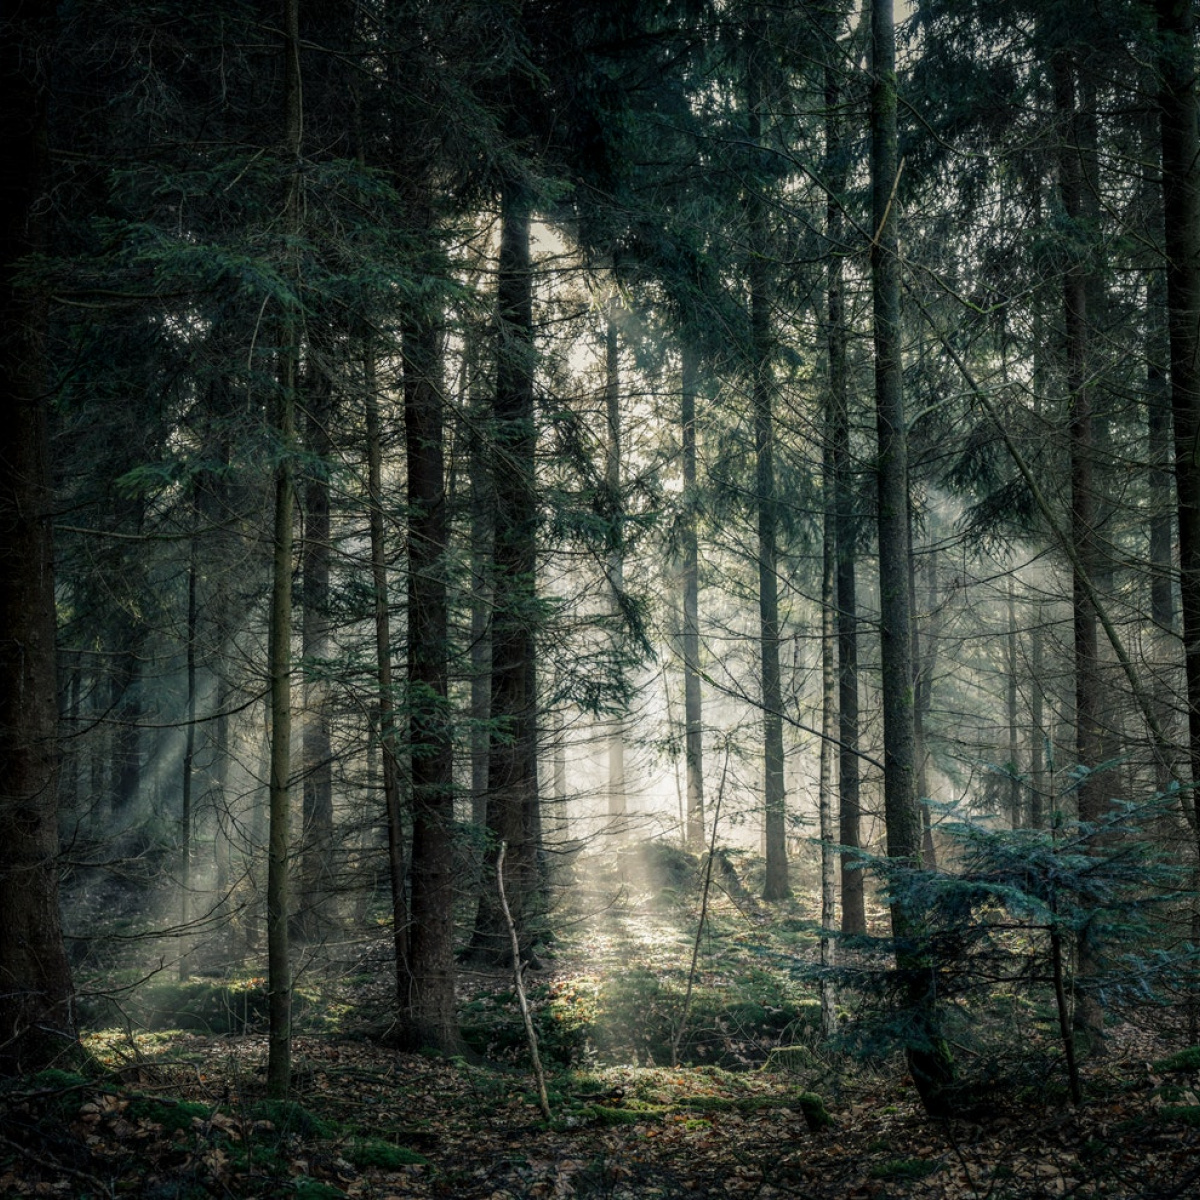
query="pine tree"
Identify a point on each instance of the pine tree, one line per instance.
(928, 1056)
(37, 1021)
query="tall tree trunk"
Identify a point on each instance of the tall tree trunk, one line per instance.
(1041, 747)
(1181, 222)
(923, 668)
(481, 604)
(315, 917)
(928, 1058)
(775, 885)
(429, 1017)
(854, 917)
(1164, 638)
(512, 755)
(1158, 447)
(825, 803)
(186, 816)
(219, 800)
(1089, 682)
(388, 735)
(1015, 805)
(215, 601)
(1037, 732)
(1088, 717)
(617, 800)
(693, 715)
(1181, 226)
(279, 979)
(37, 1020)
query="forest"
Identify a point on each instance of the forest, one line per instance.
(600, 598)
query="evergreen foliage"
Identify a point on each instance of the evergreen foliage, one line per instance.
(1009, 918)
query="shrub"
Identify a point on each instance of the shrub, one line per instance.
(998, 933)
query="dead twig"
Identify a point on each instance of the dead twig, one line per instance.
(691, 979)
(518, 976)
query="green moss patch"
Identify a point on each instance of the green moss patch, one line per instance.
(170, 1115)
(603, 1114)
(1185, 1114)
(1185, 1060)
(289, 1117)
(370, 1152)
(906, 1170)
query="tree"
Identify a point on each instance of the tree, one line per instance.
(693, 713)
(429, 1015)
(315, 916)
(845, 524)
(1177, 103)
(388, 734)
(615, 566)
(512, 809)
(37, 1020)
(279, 968)
(775, 885)
(928, 1056)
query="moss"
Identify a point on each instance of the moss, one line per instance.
(170, 1114)
(906, 1169)
(314, 1189)
(812, 1108)
(602, 1114)
(1185, 1114)
(53, 1080)
(1185, 1060)
(54, 1094)
(370, 1152)
(257, 1159)
(289, 1117)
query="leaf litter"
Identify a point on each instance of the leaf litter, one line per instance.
(183, 1115)
(369, 1122)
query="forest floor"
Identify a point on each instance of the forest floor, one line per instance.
(180, 1114)
(188, 1121)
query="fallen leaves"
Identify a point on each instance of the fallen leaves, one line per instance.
(619, 1133)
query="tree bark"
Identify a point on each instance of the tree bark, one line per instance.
(1181, 221)
(924, 659)
(37, 1020)
(279, 981)
(1015, 805)
(481, 604)
(512, 753)
(617, 799)
(316, 916)
(854, 919)
(775, 885)
(388, 735)
(429, 1017)
(186, 816)
(928, 1058)
(825, 802)
(1089, 682)
(1088, 715)
(693, 713)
